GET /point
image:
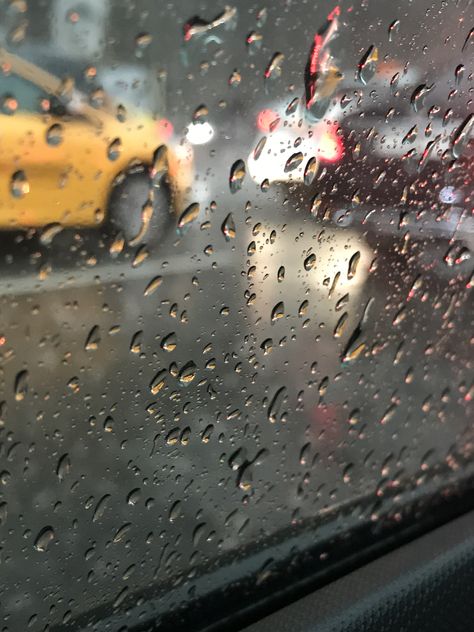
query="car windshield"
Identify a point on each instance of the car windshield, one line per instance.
(236, 342)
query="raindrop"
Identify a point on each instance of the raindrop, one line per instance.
(368, 65)
(100, 508)
(158, 382)
(304, 454)
(340, 326)
(175, 511)
(114, 149)
(189, 215)
(64, 467)
(278, 311)
(254, 42)
(19, 185)
(267, 346)
(169, 342)
(122, 532)
(134, 496)
(187, 373)
(281, 274)
(310, 262)
(44, 539)
(411, 135)
(140, 256)
(292, 106)
(259, 148)
(142, 42)
(393, 29)
(93, 339)
(117, 245)
(121, 113)
(418, 97)
(310, 171)
(273, 411)
(235, 79)
(461, 136)
(21, 385)
(153, 285)
(294, 162)
(54, 135)
(353, 264)
(49, 233)
(228, 227)
(274, 67)
(303, 308)
(237, 175)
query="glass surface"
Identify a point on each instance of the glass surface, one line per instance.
(235, 290)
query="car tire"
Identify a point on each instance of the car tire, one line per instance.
(126, 203)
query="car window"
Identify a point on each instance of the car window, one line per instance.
(235, 312)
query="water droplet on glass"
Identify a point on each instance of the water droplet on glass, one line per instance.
(418, 96)
(278, 311)
(254, 42)
(368, 65)
(292, 106)
(158, 382)
(44, 539)
(121, 113)
(237, 175)
(19, 185)
(187, 373)
(153, 285)
(93, 339)
(134, 496)
(411, 135)
(281, 274)
(49, 233)
(117, 245)
(140, 256)
(393, 29)
(54, 135)
(310, 171)
(169, 342)
(267, 346)
(100, 508)
(21, 385)
(259, 148)
(462, 135)
(353, 263)
(175, 511)
(274, 67)
(310, 262)
(293, 162)
(340, 326)
(189, 215)
(235, 78)
(228, 227)
(64, 467)
(142, 42)
(274, 408)
(121, 532)
(114, 149)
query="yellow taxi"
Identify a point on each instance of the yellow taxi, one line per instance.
(71, 160)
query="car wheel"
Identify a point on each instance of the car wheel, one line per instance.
(138, 210)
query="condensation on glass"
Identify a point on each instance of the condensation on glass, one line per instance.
(235, 290)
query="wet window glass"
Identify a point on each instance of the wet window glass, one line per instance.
(236, 333)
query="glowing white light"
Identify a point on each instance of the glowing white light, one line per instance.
(200, 133)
